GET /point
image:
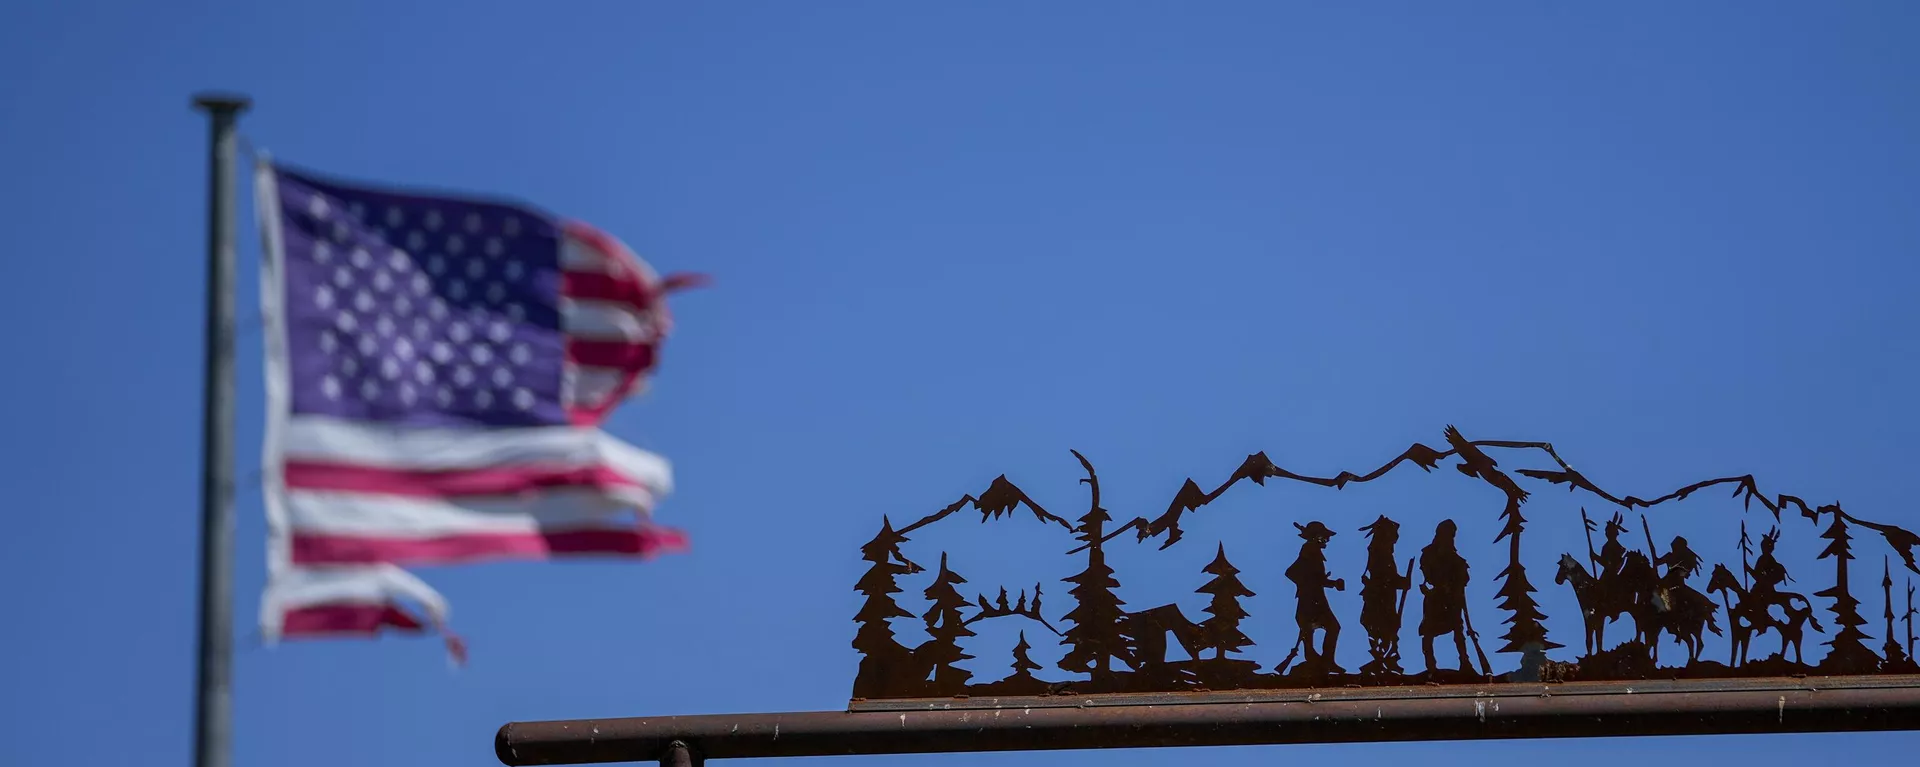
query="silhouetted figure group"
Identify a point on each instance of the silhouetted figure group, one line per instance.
(1750, 613)
(1630, 583)
(1383, 599)
(1653, 589)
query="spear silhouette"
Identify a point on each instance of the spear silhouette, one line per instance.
(1653, 555)
(1593, 560)
(1746, 548)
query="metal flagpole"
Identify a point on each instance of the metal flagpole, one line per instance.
(213, 710)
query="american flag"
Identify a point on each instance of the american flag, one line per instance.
(437, 370)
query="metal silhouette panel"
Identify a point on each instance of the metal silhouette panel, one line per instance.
(1647, 607)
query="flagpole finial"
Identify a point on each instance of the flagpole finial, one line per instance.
(221, 102)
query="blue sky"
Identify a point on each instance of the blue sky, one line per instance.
(950, 242)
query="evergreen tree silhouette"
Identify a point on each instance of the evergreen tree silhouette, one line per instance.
(883, 658)
(1849, 653)
(1896, 657)
(1527, 634)
(1023, 666)
(1095, 636)
(946, 626)
(1222, 631)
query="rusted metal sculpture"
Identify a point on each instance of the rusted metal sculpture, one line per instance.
(1112, 650)
(1126, 685)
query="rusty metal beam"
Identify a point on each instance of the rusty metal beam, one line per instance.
(1229, 719)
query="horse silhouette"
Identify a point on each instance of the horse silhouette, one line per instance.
(1601, 601)
(1750, 616)
(1682, 612)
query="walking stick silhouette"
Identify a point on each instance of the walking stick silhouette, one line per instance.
(1400, 613)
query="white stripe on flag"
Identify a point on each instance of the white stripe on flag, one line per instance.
(343, 513)
(604, 321)
(359, 585)
(319, 439)
(592, 384)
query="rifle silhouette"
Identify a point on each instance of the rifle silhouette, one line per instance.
(1466, 618)
(1291, 654)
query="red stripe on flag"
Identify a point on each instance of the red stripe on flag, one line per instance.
(626, 280)
(325, 549)
(598, 286)
(621, 355)
(347, 619)
(313, 475)
(360, 620)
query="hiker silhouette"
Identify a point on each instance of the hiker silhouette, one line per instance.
(1443, 594)
(1310, 580)
(1383, 590)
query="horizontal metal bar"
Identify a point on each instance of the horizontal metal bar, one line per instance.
(1315, 695)
(1335, 716)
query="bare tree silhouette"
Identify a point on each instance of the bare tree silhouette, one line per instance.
(1909, 617)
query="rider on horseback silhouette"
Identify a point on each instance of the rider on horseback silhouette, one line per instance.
(1612, 553)
(1768, 574)
(1681, 563)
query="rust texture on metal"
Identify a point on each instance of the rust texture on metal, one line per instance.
(1651, 588)
(1227, 719)
(1689, 663)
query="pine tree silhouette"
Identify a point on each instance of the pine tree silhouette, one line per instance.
(1849, 653)
(883, 658)
(1896, 657)
(1222, 631)
(1527, 634)
(1023, 666)
(946, 626)
(1095, 636)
